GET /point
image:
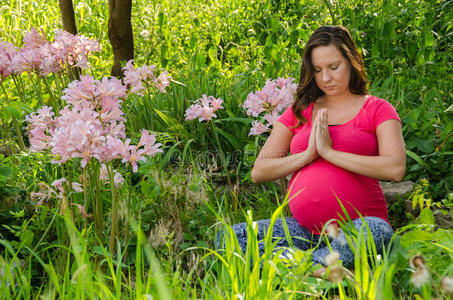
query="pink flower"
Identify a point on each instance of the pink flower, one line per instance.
(90, 127)
(43, 118)
(136, 79)
(203, 108)
(38, 139)
(274, 97)
(217, 104)
(58, 184)
(33, 39)
(193, 112)
(132, 155)
(7, 54)
(77, 187)
(79, 90)
(26, 60)
(163, 81)
(271, 118)
(118, 180)
(258, 128)
(74, 49)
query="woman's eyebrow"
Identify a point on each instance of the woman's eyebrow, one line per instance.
(334, 63)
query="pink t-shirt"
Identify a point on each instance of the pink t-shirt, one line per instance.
(319, 184)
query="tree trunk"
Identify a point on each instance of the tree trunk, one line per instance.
(120, 33)
(67, 16)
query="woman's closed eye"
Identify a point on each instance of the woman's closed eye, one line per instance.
(332, 68)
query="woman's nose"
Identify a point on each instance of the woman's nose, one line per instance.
(325, 76)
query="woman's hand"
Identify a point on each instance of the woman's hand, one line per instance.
(311, 150)
(323, 140)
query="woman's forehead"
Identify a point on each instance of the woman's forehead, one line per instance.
(326, 55)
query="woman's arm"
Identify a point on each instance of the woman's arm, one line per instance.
(273, 163)
(390, 164)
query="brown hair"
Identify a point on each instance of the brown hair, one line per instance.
(308, 91)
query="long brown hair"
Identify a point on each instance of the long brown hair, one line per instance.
(308, 91)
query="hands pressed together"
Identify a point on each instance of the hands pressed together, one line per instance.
(319, 143)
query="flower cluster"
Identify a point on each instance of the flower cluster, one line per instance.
(136, 77)
(274, 97)
(91, 125)
(204, 108)
(44, 57)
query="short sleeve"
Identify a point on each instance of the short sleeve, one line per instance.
(384, 111)
(288, 119)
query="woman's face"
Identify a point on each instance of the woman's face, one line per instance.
(331, 69)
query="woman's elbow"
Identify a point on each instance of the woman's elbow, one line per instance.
(256, 178)
(398, 173)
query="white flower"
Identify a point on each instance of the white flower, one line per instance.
(145, 34)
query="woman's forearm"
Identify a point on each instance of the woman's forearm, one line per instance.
(269, 169)
(379, 167)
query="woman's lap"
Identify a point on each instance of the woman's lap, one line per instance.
(303, 239)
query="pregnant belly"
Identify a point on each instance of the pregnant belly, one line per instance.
(317, 190)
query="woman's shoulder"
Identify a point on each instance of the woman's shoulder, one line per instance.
(376, 101)
(380, 109)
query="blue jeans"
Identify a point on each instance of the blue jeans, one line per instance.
(303, 239)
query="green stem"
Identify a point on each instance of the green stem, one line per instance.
(18, 87)
(37, 87)
(85, 192)
(150, 105)
(98, 201)
(114, 231)
(126, 227)
(52, 97)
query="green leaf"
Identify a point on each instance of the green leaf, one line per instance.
(173, 124)
(425, 146)
(416, 236)
(5, 173)
(271, 51)
(429, 39)
(234, 141)
(27, 237)
(14, 110)
(426, 217)
(236, 119)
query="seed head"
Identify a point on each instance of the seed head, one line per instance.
(336, 274)
(420, 277)
(417, 261)
(333, 230)
(332, 258)
(446, 283)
